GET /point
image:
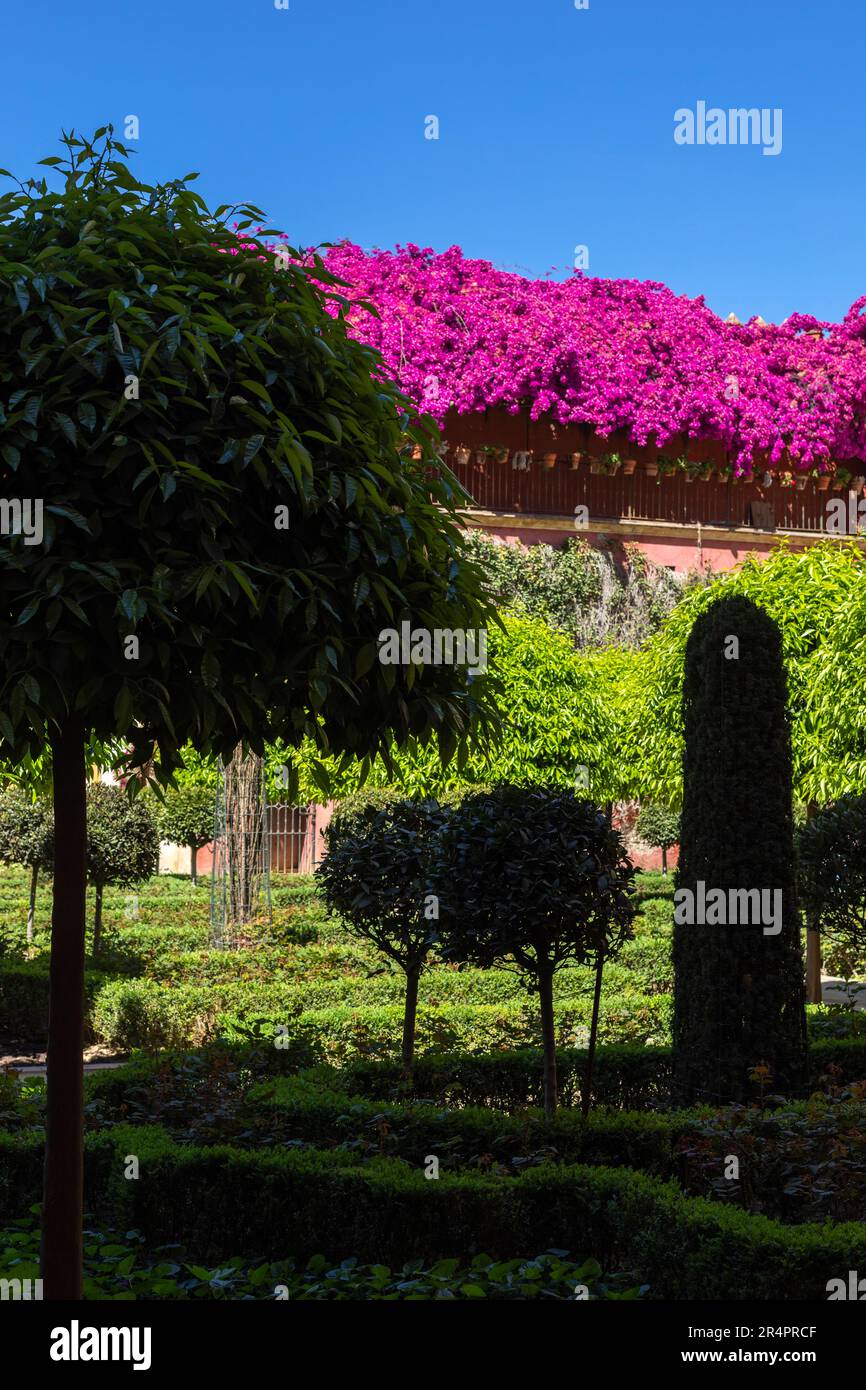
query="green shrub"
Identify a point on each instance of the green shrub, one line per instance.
(385, 1211)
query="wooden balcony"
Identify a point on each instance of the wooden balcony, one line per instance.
(558, 492)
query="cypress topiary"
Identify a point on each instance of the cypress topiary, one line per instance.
(739, 1000)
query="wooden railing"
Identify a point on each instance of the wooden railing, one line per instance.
(559, 491)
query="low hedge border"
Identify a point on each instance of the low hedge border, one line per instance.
(303, 1201)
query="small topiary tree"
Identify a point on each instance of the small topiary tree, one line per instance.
(122, 844)
(537, 876)
(831, 850)
(27, 837)
(377, 875)
(186, 817)
(658, 827)
(738, 986)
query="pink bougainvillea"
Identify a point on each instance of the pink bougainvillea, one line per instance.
(460, 335)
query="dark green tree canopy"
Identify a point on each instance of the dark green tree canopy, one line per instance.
(832, 862)
(122, 841)
(534, 873)
(219, 466)
(26, 830)
(378, 872)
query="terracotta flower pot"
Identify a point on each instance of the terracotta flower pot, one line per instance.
(801, 483)
(501, 455)
(651, 470)
(595, 466)
(550, 461)
(628, 466)
(463, 455)
(838, 487)
(574, 461)
(823, 482)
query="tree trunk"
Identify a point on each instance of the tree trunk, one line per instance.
(548, 1034)
(97, 921)
(31, 910)
(193, 855)
(586, 1098)
(664, 860)
(813, 942)
(63, 1198)
(409, 1012)
(813, 966)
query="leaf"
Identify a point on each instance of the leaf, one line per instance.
(252, 448)
(66, 425)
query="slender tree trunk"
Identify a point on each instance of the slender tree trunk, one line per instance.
(586, 1099)
(31, 910)
(63, 1198)
(97, 920)
(813, 966)
(409, 1012)
(548, 1034)
(193, 855)
(664, 860)
(813, 943)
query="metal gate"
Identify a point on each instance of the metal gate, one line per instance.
(292, 839)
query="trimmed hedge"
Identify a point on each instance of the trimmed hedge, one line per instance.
(24, 998)
(626, 1076)
(384, 1210)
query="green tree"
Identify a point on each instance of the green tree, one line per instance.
(122, 845)
(27, 837)
(738, 988)
(378, 874)
(186, 817)
(658, 827)
(816, 598)
(831, 856)
(555, 724)
(535, 876)
(230, 517)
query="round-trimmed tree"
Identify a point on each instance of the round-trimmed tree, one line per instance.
(378, 875)
(659, 827)
(186, 817)
(535, 876)
(122, 845)
(27, 838)
(738, 987)
(219, 513)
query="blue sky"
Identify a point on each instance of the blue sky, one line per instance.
(556, 127)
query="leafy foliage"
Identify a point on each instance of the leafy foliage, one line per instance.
(247, 396)
(26, 830)
(815, 596)
(831, 852)
(379, 874)
(537, 876)
(122, 841)
(738, 993)
(594, 597)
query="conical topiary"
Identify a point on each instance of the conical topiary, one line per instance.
(739, 1000)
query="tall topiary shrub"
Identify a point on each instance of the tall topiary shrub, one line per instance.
(27, 837)
(738, 987)
(378, 874)
(122, 845)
